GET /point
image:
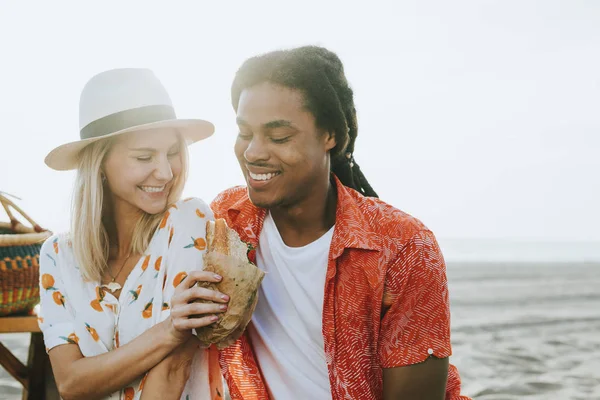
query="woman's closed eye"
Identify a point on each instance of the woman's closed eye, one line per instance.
(148, 158)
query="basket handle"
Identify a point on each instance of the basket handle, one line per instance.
(7, 204)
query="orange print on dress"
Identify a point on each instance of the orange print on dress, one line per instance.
(58, 298)
(199, 213)
(55, 245)
(92, 332)
(171, 232)
(135, 293)
(147, 313)
(72, 338)
(157, 265)
(48, 282)
(146, 262)
(163, 223)
(179, 278)
(96, 305)
(198, 243)
(99, 297)
(99, 293)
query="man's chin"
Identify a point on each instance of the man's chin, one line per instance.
(261, 201)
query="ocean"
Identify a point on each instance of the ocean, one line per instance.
(519, 331)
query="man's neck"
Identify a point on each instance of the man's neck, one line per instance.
(305, 222)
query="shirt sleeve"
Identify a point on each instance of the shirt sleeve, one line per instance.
(416, 312)
(186, 246)
(55, 317)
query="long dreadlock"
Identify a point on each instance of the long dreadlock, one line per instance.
(319, 74)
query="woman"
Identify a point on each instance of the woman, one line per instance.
(117, 293)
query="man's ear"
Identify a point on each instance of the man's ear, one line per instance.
(330, 142)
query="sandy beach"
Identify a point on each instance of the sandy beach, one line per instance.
(526, 330)
(520, 331)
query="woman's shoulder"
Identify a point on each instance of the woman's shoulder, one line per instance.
(190, 205)
(185, 223)
(57, 244)
(57, 250)
(187, 211)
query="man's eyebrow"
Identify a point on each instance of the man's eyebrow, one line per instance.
(280, 123)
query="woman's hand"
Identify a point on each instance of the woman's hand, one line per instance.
(186, 314)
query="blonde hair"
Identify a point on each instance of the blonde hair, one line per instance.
(89, 235)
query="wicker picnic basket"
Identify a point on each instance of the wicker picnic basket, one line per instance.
(19, 261)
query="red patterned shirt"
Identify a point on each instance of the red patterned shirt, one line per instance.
(386, 297)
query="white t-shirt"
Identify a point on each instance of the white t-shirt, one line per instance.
(286, 328)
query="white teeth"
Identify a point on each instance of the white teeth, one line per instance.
(262, 177)
(152, 189)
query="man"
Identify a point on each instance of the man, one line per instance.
(354, 304)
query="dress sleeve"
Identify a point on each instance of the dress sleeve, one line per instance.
(55, 316)
(186, 245)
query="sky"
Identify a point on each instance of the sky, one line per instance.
(480, 118)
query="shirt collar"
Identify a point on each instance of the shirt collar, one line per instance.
(352, 229)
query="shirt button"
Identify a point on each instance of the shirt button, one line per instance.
(430, 351)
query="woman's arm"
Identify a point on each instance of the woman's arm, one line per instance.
(188, 226)
(80, 377)
(167, 380)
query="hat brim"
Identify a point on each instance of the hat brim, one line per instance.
(66, 156)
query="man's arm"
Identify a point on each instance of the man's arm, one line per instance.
(424, 381)
(415, 327)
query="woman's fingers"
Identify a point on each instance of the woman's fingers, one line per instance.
(200, 293)
(186, 324)
(186, 312)
(198, 276)
(197, 309)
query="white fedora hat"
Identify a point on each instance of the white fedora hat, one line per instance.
(120, 101)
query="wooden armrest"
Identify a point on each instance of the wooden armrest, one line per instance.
(16, 324)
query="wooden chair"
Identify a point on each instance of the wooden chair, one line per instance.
(33, 375)
(37, 374)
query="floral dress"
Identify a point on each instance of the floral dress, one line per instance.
(80, 312)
